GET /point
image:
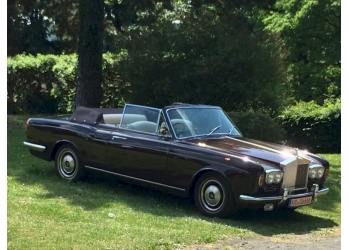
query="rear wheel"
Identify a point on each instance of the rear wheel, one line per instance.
(68, 163)
(213, 195)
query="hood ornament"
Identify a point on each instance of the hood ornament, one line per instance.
(296, 152)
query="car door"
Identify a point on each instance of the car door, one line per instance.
(94, 147)
(138, 151)
(184, 160)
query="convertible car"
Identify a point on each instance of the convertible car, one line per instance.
(189, 150)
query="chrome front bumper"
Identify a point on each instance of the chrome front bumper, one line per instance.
(33, 146)
(285, 196)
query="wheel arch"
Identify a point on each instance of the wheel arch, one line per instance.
(58, 145)
(201, 172)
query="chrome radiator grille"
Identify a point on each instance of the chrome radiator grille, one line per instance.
(295, 176)
(302, 175)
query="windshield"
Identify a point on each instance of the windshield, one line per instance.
(188, 122)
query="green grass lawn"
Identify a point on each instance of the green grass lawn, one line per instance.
(46, 212)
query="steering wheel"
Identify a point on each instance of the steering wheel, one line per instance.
(178, 127)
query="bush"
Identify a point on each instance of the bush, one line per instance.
(45, 84)
(258, 126)
(313, 127)
(29, 82)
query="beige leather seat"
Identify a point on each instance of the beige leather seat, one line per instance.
(144, 126)
(128, 118)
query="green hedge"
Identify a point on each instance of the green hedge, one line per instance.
(306, 125)
(29, 82)
(47, 83)
(314, 127)
(258, 126)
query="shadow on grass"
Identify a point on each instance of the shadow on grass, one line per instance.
(97, 190)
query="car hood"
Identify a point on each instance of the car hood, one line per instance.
(254, 149)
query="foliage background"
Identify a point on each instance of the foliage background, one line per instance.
(278, 58)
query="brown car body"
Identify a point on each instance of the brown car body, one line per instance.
(188, 150)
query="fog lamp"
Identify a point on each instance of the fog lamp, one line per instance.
(268, 207)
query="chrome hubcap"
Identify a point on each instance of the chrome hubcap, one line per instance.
(67, 163)
(212, 195)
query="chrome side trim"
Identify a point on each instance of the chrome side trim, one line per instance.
(137, 179)
(115, 137)
(281, 198)
(35, 147)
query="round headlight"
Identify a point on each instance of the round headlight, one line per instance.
(312, 173)
(320, 173)
(270, 178)
(278, 177)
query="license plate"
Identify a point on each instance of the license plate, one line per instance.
(300, 201)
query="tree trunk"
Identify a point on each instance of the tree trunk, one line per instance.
(90, 49)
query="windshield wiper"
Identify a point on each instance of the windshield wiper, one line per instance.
(214, 129)
(231, 130)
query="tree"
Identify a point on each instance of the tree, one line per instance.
(90, 49)
(27, 28)
(310, 32)
(174, 48)
(90, 46)
(207, 55)
(41, 26)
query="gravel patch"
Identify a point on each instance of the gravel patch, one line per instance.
(302, 242)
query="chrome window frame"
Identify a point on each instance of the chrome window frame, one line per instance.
(200, 107)
(145, 107)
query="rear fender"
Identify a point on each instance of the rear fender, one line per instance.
(57, 145)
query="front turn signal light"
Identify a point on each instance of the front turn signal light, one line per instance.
(27, 124)
(261, 180)
(327, 171)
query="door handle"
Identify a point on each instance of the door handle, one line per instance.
(118, 137)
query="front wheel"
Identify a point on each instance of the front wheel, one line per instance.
(68, 163)
(213, 195)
